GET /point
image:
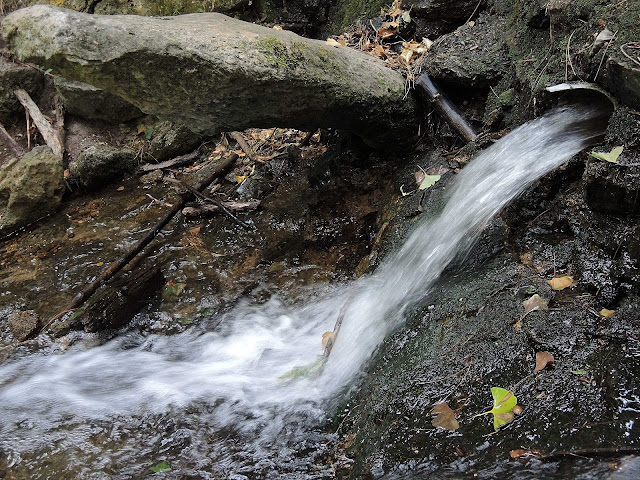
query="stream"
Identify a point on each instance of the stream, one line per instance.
(249, 394)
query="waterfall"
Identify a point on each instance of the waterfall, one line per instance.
(238, 369)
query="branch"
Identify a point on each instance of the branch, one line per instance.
(445, 107)
(191, 211)
(239, 138)
(136, 248)
(11, 143)
(50, 135)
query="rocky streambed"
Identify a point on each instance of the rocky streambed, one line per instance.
(332, 211)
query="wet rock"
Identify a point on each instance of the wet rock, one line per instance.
(623, 76)
(93, 103)
(12, 77)
(214, 73)
(24, 324)
(437, 17)
(96, 166)
(172, 139)
(612, 188)
(474, 55)
(30, 188)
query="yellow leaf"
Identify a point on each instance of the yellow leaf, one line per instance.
(120, 189)
(560, 283)
(141, 128)
(406, 55)
(611, 157)
(536, 302)
(518, 326)
(332, 42)
(99, 264)
(606, 313)
(240, 178)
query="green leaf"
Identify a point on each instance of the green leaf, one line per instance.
(579, 372)
(503, 403)
(611, 157)
(162, 467)
(48, 71)
(306, 371)
(148, 133)
(429, 181)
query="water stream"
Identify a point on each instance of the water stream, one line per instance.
(235, 369)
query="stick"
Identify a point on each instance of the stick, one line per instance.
(49, 134)
(238, 137)
(307, 138)
(191, 211)
(10, 142)
(174, 162)
(445, 107)
(136, 248)
(592, 452)
(218, 204)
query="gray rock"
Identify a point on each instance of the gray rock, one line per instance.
(96, 166)
(623, 77)
(170, 140)
(30, 188)
(93, 103)
(214, 73)
(13, 76)
(473, 56)
(24, 324)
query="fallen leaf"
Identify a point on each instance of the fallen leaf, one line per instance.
(379, 52)
(195, 230)
(385, 33)
(241, 178)
(439, 170)
(444, 417)
(611, 157)
(542, 360)
(332, 42)
(522, 453)
(526, 259)
(328, 339)
(560, 283)
(406, 55)
(66, 173)
(429, 181)
(277, 27)
(503, 403)
(99, 264)
(604, 36)
(406, 17)
(120, 189)
(141, 128)
(535, 302)
(606, 313)
(308, 370)
(518, 326)
(172, 291)
(161, 467)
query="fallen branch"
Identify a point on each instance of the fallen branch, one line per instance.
(50, 134)
(307, 138)
(136, 248)
(445, 107)
(194, 211)
(180, 161)
(239, 138)
(592, 452)
(11, 143)
(217, 203)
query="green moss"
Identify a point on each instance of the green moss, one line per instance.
(277, 52)
(346, 12)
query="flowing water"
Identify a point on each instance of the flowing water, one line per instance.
(234, 371)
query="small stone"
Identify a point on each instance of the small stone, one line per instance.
(24, 324)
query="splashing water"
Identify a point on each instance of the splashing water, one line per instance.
(238, 366)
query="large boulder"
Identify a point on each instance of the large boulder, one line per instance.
(149, 7)
(30, 188)
(214, 73)
(93, 103)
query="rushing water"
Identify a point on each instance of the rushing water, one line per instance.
(236, 368)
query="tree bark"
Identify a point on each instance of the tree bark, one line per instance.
(214, 73)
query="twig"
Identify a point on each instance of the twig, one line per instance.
(604, 54)
(474, 12)
(173, 162)
(191, 211)
(220, 205)
(136, 248)
(568, 59)
(10, 142)
(632, 45)
(307, 138)
(336, 327)
(239, 138)
(50, 135)
(592, 452)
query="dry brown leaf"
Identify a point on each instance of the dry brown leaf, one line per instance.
(606, 313)
(526, 259)
(385, 33)
(536, 302)
(332, 42)
(522, 453)
(560, 283)
(328, 339)
(379, 52)
(542, 360)
(419, 176)
(439, 170)
(444, 417)
(518, 326)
